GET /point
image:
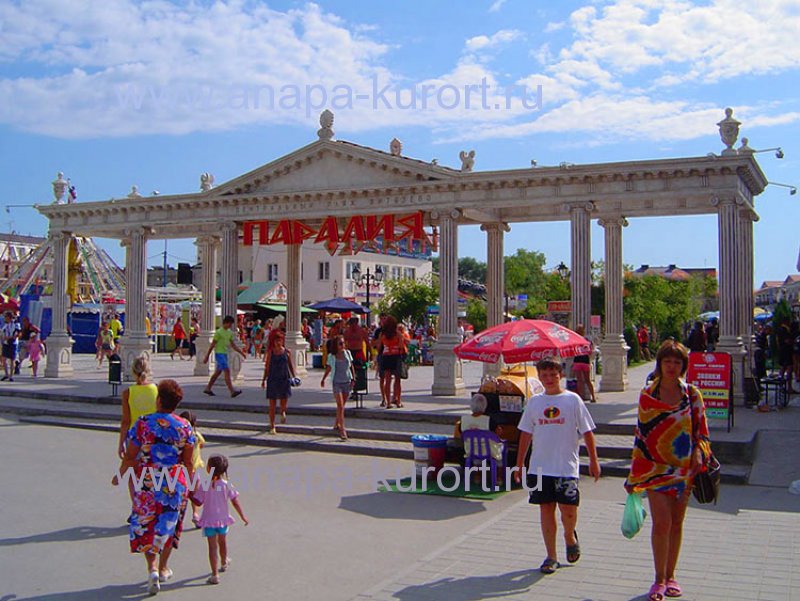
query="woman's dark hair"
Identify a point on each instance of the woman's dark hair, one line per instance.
(190, 417)
(389, 328)
(218, 465)
(671, 348)
(170, 395)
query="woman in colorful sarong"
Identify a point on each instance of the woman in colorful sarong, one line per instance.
(670, 446)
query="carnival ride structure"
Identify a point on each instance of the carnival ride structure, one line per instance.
(103, 280)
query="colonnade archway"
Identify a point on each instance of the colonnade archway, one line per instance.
(333, 178)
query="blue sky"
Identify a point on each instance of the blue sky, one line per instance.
(620, 80)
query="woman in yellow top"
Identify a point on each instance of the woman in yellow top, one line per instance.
(137, 400)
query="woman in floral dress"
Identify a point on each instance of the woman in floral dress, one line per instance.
(159, 453)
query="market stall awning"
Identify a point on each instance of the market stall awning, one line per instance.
(339, 305)
(279, 308)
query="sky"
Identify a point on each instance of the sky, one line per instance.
(116, 93)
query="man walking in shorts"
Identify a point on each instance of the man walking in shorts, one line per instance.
(555, 420)
(223, 340)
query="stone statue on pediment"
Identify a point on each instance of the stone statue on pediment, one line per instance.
(467, 160)
(134, 193)
(325, 132)
(206, 182)
(396, 147)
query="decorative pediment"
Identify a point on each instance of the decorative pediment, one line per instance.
(334, 165)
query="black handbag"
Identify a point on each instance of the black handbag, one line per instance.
(705, 487)
(706, 484)
(403, 369)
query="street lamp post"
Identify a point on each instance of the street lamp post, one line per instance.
(367, 278)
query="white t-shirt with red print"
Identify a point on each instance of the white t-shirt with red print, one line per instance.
(557, 422)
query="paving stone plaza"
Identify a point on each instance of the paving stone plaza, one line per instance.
(64, 535)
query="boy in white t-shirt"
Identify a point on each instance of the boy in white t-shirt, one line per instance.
(556, 420)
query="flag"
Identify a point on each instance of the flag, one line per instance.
(73, 195)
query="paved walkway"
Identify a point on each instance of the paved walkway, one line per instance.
(319, 530)
(730, 553)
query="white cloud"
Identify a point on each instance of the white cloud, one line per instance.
(718, 40)
(496, 5)
(482, 42)
(554, 26)
(123, 68)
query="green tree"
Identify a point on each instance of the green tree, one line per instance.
(664, 304)
(476, 314)
(782, 313)
(472, 269)
(408, 300)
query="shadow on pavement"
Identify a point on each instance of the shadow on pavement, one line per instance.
(78, 533)
(426, 508)
(113, 592)
(472, 588)
(734, 499)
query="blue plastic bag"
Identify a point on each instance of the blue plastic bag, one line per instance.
(633, 516)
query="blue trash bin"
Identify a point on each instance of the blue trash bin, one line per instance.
(429, 451)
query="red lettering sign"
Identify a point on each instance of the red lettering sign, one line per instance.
(711, 373)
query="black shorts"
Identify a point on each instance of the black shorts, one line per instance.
(390, 363)
(554, 490)
(10, 351)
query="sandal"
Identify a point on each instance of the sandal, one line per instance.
(673, 589)
(213, 580)
(343, 435)
(398, 404)
(549, 566)
(657, 592)
(574, 551)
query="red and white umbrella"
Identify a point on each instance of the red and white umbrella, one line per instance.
(524, 340)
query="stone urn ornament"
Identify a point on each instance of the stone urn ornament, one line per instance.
(728, 132)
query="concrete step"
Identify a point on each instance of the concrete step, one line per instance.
(368, 409)
(325, 440)
(608, 445)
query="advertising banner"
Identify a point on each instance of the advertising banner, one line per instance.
(711, 373)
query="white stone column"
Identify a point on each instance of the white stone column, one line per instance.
(134, 343)
(295, 342)
(613, 348)
(581, 257)
(747, 217)
(59, 343)
(495, 283)
(208, 287)
(230, 286)
(729, 243)
(447, 368)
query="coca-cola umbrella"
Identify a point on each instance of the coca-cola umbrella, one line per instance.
(523, 340)
(8, 303)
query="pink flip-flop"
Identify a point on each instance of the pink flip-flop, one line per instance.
(673, 589)
(657, 592)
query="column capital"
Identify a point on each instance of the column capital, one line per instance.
(59, 236)
(613, 221)
(230, 226)
(717, 201)
(129, 233)
(494, 227)
(451, 214)
(574, 207)
(207, 239)
(748, 213)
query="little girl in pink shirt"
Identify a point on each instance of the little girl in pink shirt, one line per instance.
(216, 517)
(36, 349)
